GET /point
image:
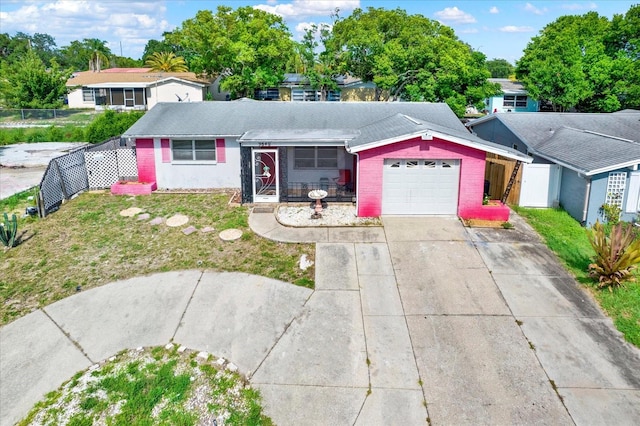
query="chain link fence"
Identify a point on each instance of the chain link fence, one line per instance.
(90, 167)
(39, 114)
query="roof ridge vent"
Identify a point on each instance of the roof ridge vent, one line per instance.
(609, 136)
(413, 120)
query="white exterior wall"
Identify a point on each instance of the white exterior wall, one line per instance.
(167, 91)
(75, 100)
(199, 175)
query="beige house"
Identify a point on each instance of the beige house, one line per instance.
(296, 88)
(134, 88)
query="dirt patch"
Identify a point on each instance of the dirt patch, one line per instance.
(481, 223)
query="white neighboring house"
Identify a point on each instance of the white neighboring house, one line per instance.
(134, 88)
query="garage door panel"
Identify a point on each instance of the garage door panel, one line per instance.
(420, 187)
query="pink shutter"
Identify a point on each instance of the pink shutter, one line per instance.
(165, 145)
(221, 156)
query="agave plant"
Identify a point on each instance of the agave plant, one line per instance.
(616, 255)
(9, 231)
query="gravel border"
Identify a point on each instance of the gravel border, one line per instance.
(333, 215)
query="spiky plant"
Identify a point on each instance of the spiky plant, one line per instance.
(616, 255)
(9, 231)
(167, 62)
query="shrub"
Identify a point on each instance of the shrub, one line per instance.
(611, 213)
(111, 124)
(616, 255)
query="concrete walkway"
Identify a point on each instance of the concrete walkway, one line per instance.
(422, 320)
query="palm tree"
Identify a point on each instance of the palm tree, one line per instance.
(99, 53)
(166, 62)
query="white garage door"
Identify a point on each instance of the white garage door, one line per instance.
(413, 187)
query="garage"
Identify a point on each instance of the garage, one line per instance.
(420, 186)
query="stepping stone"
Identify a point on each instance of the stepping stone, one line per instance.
(207, 229)
(130, 212)
(230, 234)
(143, 216)
(177, 220)
(189, 230)
(156, 221)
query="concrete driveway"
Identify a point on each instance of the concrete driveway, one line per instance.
(420, 321)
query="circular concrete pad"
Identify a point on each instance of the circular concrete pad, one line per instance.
(230, 234)
(130, 212)
(177, 220)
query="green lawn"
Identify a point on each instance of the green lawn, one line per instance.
(87, 243)
(569, 241)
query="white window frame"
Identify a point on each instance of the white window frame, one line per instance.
(316, 159)
(88, 95)
(515, 101)
(194, 151)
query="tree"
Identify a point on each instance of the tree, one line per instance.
(28, 83)
(500, 68)
(88, 54)
(247, 47)
(99, 53)
(411, 57)
(320, 68)
(166, 62)
(585, 62)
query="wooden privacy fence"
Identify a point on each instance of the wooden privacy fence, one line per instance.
(498, 172)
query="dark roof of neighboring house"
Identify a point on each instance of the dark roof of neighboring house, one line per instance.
(295, 79)
(588, 143)
(583, 150)
(509, 86)
(357, 123)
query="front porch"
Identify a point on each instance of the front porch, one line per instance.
(283, 174)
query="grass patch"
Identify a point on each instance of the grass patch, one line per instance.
(158, 386)
(568, 240)
(87, 243)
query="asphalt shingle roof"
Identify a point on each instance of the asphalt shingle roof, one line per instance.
(586, 142)
(238, 117)
(584, 151)
(356, 123)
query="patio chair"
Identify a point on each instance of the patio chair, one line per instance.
(343, 181)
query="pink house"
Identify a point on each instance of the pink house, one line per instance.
(390, 158)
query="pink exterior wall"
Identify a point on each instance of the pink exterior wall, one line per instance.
(146, 160)
(472, 164)
(165, 147)
(221, 154)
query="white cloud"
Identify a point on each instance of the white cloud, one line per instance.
(494, 10)
(454, 15)
(131, 23)
(302, 8)
(531, 8)
(515, 29)
(578, 6)
(469, 31)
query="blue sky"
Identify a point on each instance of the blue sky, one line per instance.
(499, 28)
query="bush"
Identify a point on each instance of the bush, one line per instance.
(111, 124)
(611, 213)
(616, 255)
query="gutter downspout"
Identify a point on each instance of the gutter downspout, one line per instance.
(585, 209)
(356, 183)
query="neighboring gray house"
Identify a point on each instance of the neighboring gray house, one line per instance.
(581, 161)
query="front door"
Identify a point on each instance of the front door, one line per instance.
(266, 188)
